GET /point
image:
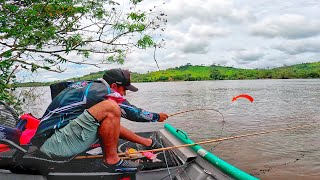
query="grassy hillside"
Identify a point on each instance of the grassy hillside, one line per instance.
(192, 73)
(189, 72)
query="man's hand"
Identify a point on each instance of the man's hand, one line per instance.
(162, 117)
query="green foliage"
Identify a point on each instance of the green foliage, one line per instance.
(215, 74)
(137, 17)
(37, 34)
(145, 42)
(118, 58)
(6, 89)
(135, 1)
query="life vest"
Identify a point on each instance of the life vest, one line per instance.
(22, 134)
(28, 126)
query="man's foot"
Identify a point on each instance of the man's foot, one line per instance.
(154, 145)
(124, 166)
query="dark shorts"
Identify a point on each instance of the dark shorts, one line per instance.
(74, 138)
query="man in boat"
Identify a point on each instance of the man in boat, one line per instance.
(90, 110)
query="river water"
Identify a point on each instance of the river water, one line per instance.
(293, 154)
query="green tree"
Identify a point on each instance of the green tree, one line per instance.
(45, 34)
(314, 74)
(163, 78)
(216, 74)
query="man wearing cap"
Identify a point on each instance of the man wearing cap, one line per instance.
(90, 110)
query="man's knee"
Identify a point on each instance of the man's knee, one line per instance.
(104, 109)
(112, 107)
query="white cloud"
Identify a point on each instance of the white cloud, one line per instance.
(196, 46)
(197, 39)
(207, 31)
(204, 11)
(294, 47)
(290, 26)
(238, 33)
(245, 56)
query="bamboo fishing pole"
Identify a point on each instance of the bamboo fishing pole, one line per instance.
(202, 142)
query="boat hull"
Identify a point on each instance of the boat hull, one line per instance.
(177, 163)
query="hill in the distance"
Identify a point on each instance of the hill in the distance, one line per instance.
(190, 72)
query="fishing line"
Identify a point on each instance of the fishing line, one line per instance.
(200, 109)
(224, 106)
(181, 166)
(302, 155)
(269, 168)
(166, 161)
(205, 109)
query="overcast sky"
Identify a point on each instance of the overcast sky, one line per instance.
(239, 33)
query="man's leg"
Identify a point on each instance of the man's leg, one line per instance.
(130, 136)
(108, 114)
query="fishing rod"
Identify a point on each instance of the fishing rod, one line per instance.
(202, 142)
(200, 109)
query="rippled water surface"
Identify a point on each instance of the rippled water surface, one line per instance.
(293, 154)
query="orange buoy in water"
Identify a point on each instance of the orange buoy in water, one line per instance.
(243, 96)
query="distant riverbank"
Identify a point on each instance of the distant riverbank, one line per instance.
(190, 72)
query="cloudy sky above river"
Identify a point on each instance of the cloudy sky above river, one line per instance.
(238, 33)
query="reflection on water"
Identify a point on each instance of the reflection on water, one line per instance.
(278, 104)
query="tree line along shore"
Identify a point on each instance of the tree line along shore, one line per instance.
(190, 72)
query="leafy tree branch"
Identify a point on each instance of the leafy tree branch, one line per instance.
(37, 34)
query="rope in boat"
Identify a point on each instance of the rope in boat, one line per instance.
(207, 141)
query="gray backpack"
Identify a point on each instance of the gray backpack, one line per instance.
(8, 116)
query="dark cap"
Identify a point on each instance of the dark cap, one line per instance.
(120, 77)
